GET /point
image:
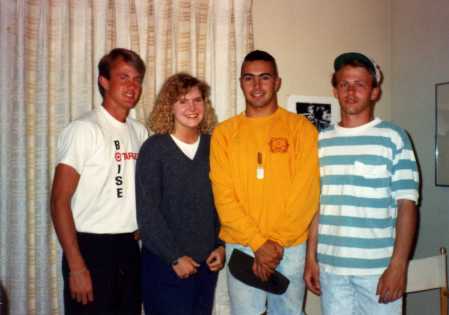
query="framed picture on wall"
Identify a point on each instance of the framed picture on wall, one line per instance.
(320, 110)
(442, 134)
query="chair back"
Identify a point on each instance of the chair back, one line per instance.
(427, 273)
(312, 304)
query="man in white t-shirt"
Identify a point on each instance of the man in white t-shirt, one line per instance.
(93, 195)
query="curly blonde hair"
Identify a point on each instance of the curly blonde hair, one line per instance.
(161, 120)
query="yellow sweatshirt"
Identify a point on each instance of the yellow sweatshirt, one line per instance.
(279, 206)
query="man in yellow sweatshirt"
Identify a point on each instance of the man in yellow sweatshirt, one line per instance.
(265, 179)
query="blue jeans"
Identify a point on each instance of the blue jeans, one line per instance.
(246, 300)
(353, 295)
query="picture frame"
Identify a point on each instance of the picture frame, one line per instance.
(442, 134)
(322, 111)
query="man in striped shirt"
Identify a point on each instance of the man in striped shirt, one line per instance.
(359, 244)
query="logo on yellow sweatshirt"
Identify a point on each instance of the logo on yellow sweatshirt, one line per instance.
(278, 145)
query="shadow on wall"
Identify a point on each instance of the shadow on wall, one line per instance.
(3, 301)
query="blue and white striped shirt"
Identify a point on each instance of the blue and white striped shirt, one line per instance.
(364, 172)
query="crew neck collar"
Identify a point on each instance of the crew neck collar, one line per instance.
(358, 129)
(111, 119)
(259, 119)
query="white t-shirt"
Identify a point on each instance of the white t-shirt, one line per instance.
(103, 151)
(188, 149)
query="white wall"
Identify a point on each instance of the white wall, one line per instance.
(305, 36)
(409, 39)
(420, 58)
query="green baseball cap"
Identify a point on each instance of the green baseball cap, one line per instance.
(349, 57)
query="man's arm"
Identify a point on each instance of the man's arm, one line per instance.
(64, 185)
(230, 210)
(393, 281)
(303, 197)
(232, 215)
(302, 202)
(312, 269)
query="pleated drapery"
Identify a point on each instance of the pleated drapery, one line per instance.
(49, 50)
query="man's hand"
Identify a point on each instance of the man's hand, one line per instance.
(261, 271)
(312, 276)
(185, 267)
(267, 258)
(64, 185)
(80, 284)
(216, 259)
(392, 283)
(312, 268)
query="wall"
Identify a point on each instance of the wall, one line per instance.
(409, 39)
(305, 36)
(419, 59)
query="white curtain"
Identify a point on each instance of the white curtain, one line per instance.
(49, 50)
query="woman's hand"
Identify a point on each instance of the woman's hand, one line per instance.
(185, 266)
(216, 259)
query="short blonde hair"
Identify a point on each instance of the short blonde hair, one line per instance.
(161, 120)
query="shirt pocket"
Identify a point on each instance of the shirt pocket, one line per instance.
(370, 170)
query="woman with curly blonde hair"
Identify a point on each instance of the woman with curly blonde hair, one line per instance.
(177, 220)
(161, 120)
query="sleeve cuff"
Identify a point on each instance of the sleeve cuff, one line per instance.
(256, 242)
(411, 197)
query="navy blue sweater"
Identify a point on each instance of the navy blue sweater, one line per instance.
(175, 208)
